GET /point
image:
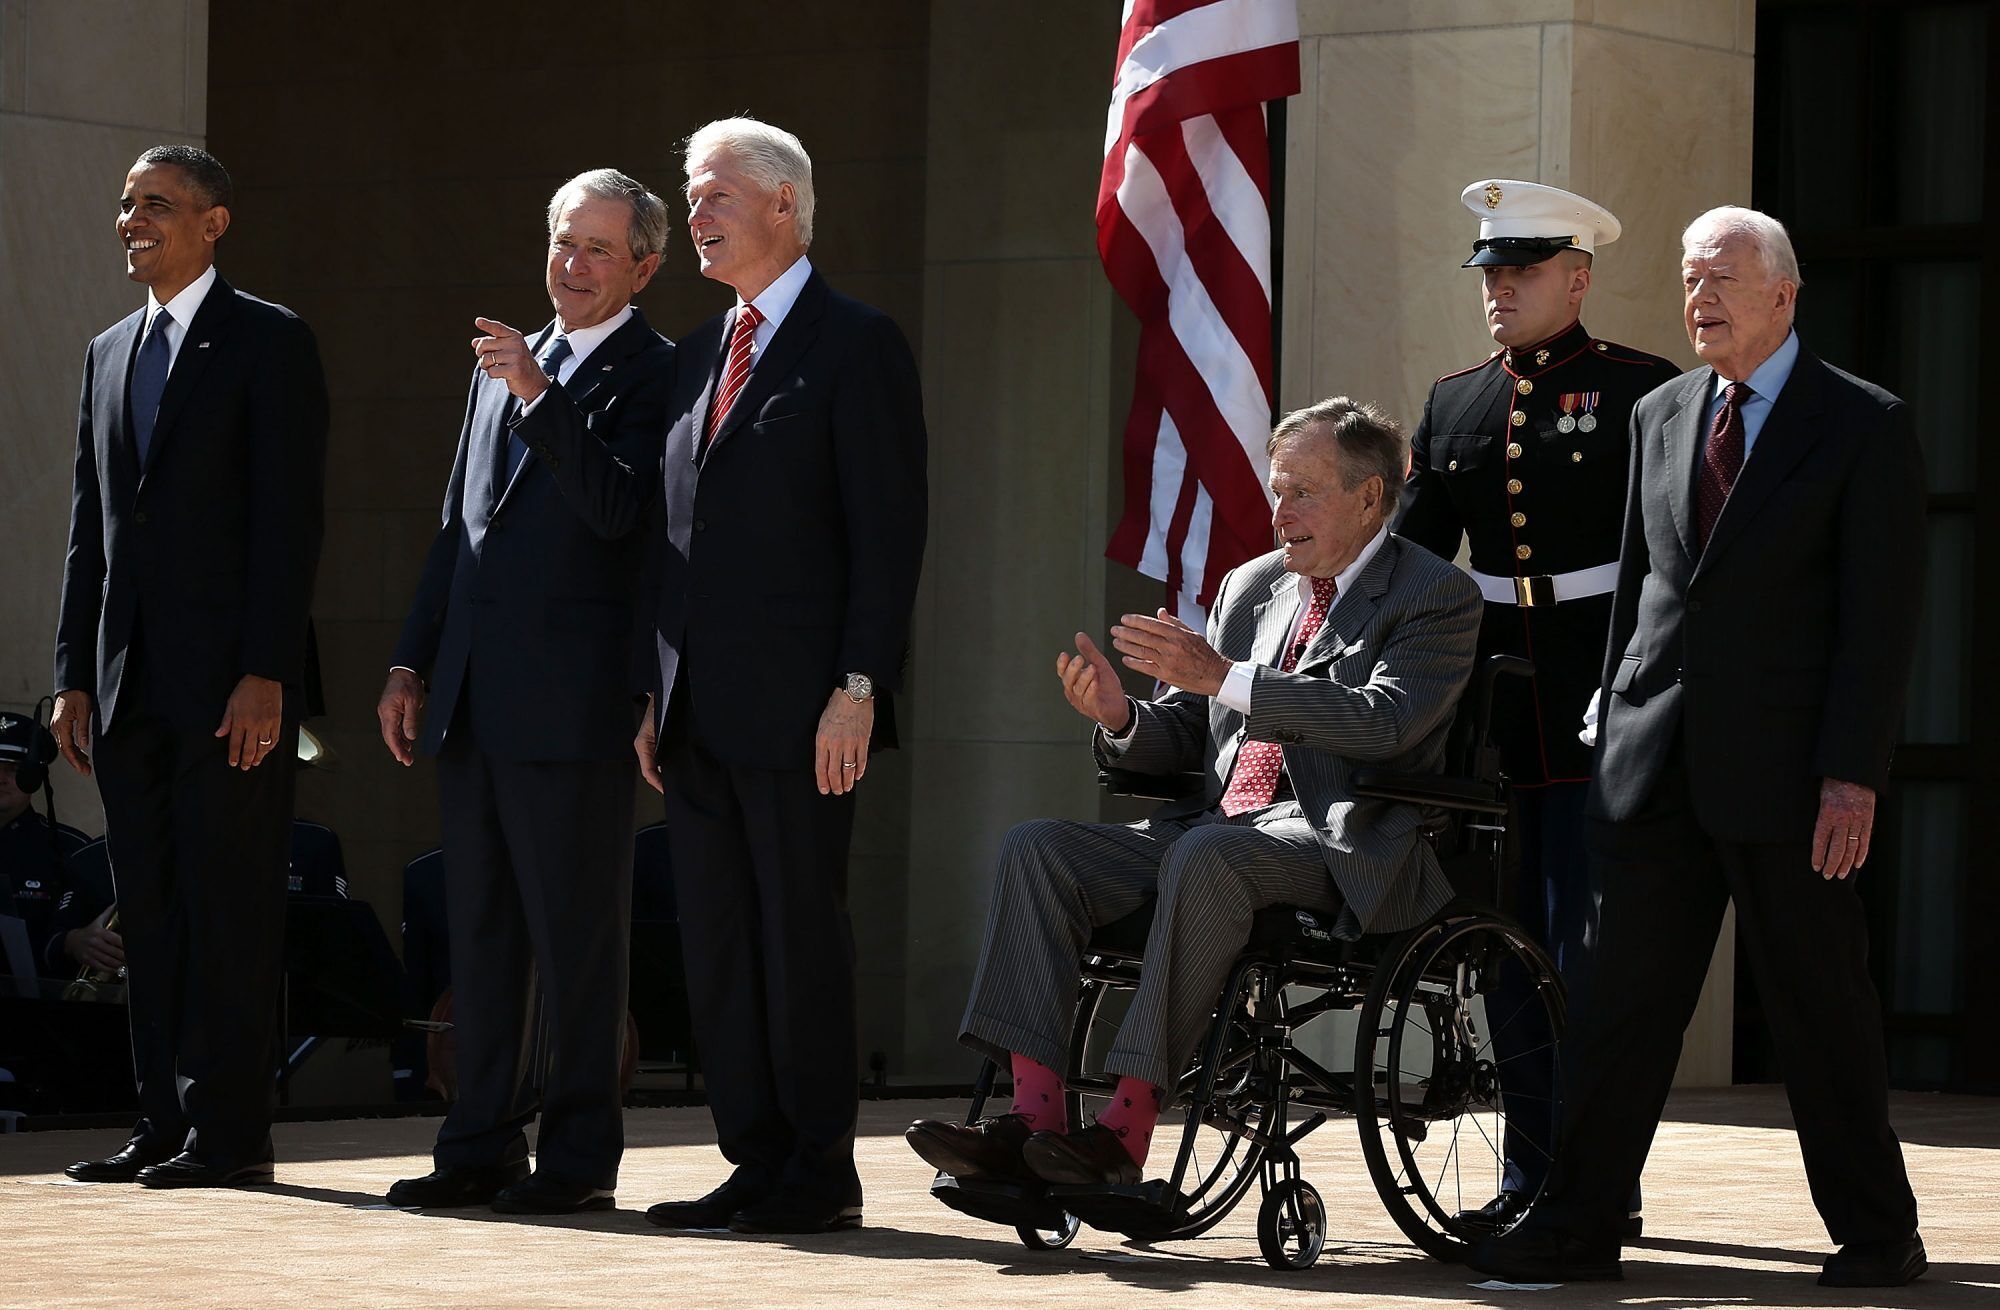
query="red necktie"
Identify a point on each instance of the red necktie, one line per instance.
(1254, 780)
(737, 371)
(1721, 458)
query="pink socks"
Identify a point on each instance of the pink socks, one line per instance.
(1038, 1096)
(1134, 1109)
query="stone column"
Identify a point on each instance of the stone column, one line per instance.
(83, 89)
(1643, 106)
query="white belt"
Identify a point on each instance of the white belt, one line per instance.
(1547, 588)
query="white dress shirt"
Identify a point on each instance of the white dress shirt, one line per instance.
(774, 303)
(1241, 679)
(180, 312)
(581, 342)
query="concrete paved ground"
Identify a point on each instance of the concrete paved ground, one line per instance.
(1728, 1219)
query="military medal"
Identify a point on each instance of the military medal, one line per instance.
(1567, 423)
(1588, 422)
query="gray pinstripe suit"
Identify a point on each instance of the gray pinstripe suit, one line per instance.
(1375, 688)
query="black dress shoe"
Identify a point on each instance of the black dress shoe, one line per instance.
(1546, 1255)
(1495, 1216)
(190, 1170)
(121, 1167)
(788, 1213)
(457, 1185)
(990, 1148)
(1876, 1264)
(541, 1194)
(1095, 1156)
(715, 1210)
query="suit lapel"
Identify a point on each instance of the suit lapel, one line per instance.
(1682, 439)
(1273, 619)
(112, 398)
(199, 344)
(1788, 433)
(1353, 608)
(772, 367)
(699, 453)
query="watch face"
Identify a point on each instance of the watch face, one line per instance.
(859, 686)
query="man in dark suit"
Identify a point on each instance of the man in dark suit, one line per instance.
(180, 654)
(1762, 635)
(1523, 456)
(522, 640)
(1345, 648)
(795, 504)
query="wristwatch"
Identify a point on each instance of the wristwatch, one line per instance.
(859, 687)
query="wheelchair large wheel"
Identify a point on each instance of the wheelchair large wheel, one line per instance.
(1433, 1110)
(1227, 1149)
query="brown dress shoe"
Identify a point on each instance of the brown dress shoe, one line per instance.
(990, 1148)
(1093, 1157)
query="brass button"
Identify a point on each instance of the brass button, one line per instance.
(1524, 386)
(1519, 417)
(1520, 520)
(1602, 346)
(1513, 486)
(1576, 457)
(1513, 450)
(1522, 552)
(1451, 467)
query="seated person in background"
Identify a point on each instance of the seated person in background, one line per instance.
(317, 867)
(1346, 647)
(36, 854)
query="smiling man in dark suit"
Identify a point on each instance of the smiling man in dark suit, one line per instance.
(523, 636)
(180, 658)
(1762, 633)
(795, 495)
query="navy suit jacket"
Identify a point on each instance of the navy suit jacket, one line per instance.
(525, 608)
(210, 550)
(1783, 651)
(791, 551)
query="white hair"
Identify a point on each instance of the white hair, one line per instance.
(769, 155)
(1734, 223)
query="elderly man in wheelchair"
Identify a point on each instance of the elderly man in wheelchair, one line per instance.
(1310, 722)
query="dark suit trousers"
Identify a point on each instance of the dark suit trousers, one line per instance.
(760, 875)
(1665, 886)
(538, 897)
(199, 853)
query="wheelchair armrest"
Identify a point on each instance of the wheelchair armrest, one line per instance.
(1469, 794)
(1151, 786)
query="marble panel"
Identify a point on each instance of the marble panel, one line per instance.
(136, 74)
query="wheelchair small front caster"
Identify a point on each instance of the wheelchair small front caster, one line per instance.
(1049, 1239)
(1291, 1225)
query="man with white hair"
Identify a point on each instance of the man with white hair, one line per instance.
(796, 504)
(1762, 635)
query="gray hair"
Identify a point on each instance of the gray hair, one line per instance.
(1735, 223)
(1371, 444)
(769, 155)
(648, 233)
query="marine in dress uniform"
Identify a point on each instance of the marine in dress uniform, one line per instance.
(1524, 456)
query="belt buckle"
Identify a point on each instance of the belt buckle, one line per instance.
(1536, 591)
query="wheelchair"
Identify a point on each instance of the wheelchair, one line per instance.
(1427, 1086)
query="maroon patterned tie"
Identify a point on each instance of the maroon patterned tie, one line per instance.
(1721, 458)
(1254, 780)
(736, 371)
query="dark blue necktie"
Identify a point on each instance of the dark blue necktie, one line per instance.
(552, 362)
(149, 382)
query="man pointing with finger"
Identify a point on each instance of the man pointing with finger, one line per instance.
(516, 670)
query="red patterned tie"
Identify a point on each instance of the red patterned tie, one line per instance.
(737, 371)
(1254, 780)
(1721, 458)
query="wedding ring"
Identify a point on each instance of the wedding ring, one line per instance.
(266, 741)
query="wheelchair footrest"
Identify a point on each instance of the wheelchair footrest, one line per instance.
(1020, 1205)
(1146, 1210)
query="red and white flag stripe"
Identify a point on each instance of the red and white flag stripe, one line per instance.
(1184, 229)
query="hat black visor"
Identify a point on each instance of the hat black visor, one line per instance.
(1516, 252)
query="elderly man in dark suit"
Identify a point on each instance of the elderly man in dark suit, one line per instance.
(1761, 640)
(1346, 647)
(524, 636)
(794, 488)
(180, 659)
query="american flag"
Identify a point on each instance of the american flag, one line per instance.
(1184, 229)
